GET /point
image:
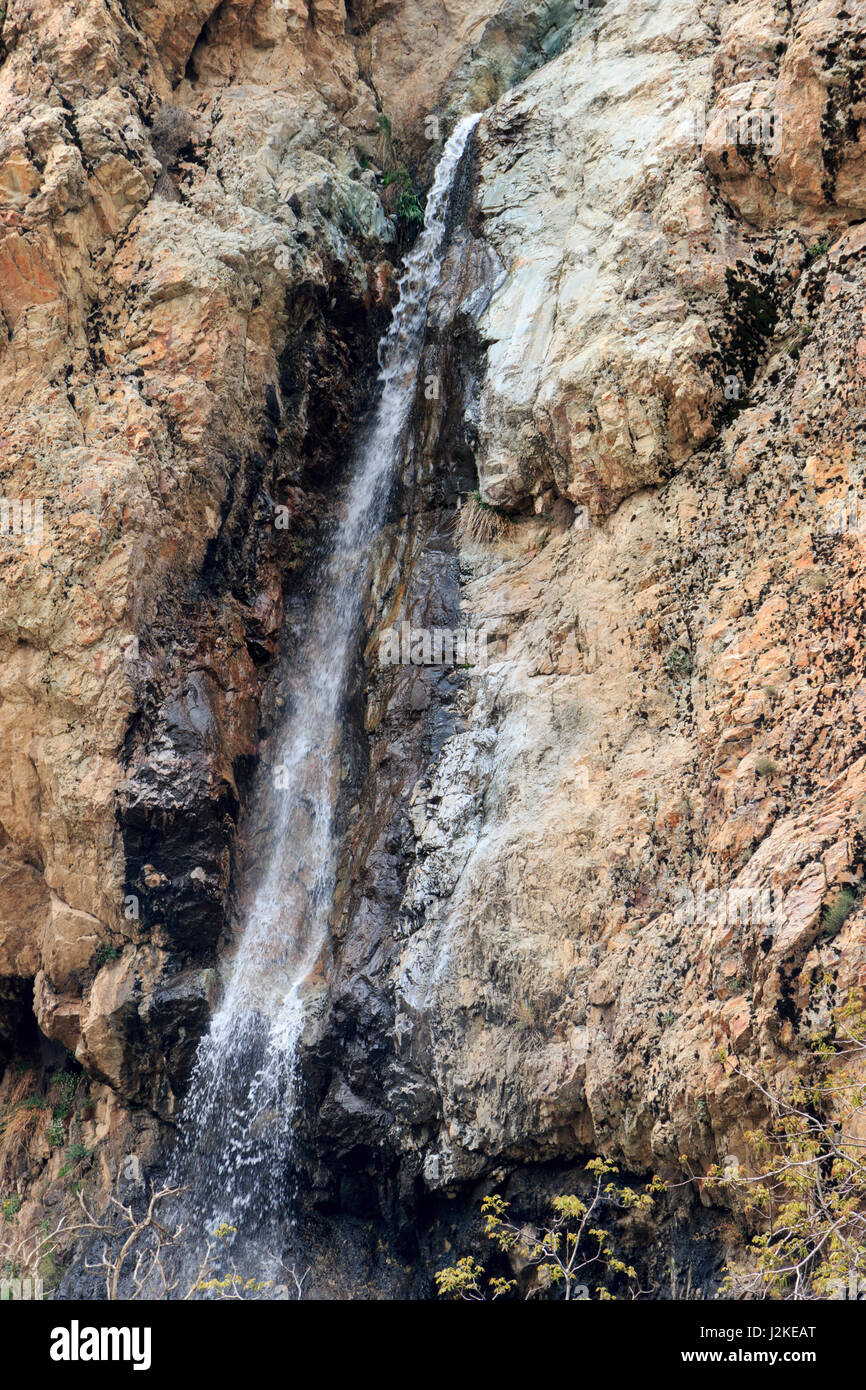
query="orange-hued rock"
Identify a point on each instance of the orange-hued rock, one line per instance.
(179, 195)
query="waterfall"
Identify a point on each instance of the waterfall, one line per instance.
(236, 1126)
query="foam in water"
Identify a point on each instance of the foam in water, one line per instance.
(237, 1122)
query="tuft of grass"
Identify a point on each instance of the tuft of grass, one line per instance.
(818, 248)
(21, 1122)
(814, 579)
(386, 141)
(481, 523)
(835, 913)
(766, 767)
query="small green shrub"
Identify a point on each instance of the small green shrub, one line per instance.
(11, 1207)
(565, 1248)
(836, 912)
(106, 952)
(409, 206)
(678, 663)
(66, 1083)
(765, 767)
(804, 1182)
(75, 1154)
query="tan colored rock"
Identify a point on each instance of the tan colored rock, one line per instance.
(621, 854)
(25, 902)
(176, 185)
(69, 943)
(58, 1016)
(623, 858)
(112, 1005)
(784, 136)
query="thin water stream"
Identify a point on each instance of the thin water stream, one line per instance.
(237, 1125)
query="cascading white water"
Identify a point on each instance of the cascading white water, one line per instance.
(237, 1122)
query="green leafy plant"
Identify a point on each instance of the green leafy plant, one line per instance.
(106, 952)
(806, 1182)
(678, 663)
(409, 206)
(66, 1084)
(11, 1207)
(836, 913)
(561, 1252)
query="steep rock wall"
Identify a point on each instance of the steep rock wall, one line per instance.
(668, 737)
(649, 349)
(193, 275)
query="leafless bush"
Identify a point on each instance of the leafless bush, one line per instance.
(174, 127)
(141, 1254)
(479, 523)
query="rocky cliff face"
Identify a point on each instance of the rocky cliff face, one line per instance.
(568, 878)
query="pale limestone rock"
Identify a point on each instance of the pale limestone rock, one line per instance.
(69, 943)
(601, 376)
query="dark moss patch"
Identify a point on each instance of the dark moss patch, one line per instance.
(752, 315)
